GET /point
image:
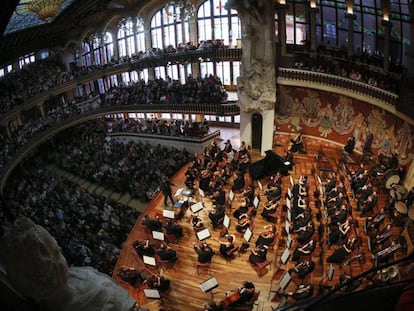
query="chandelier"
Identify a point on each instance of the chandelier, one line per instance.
(44, 9)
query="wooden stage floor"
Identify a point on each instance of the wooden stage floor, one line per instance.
(185, 294)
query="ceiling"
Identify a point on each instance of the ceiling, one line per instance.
(69, 25)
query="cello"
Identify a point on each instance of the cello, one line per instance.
(232, 298)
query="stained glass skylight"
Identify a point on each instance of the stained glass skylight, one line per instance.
(22, 19)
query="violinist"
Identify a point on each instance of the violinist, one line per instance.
(258, 254)
(243, 208)
(204, 252)
(303, 250)
(266, 237)
(303, 268)
(269, 209)
(143, 247)
(166, 253)
(226, 244)
(305, 233)
(339, 233)
(243, 223)
(216, 215)
(238, 184)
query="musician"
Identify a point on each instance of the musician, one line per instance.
(340, 215)
(219, 196)
(339, 255)
(243, 223)
(243, 208)
(205, 179)
(302, 291)
(244, 157)
(143, 247)
(228, 148)
(297, 144)
(258, 254)
(130, 275)
(269, 209)
(204, 252)
(339, 233)
(303, 268)
(266, 237)
(241, 295)
(152, 224)
(375, 221)
(216, 215)
(213, 306)
(304, 250)
(386, 252)
(158, 282)
(369, 204)
(238, 184)
(368, 143)
(305, 233)
(384, 234)
(249, 192)
(350, 145)
(173, 229)
(226, 244)
(166, 253)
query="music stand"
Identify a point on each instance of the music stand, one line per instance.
(287, 227)
(201, 192)
(289, 241)
(289, 193)
(288, 203)
(208, 285)
(285, 256)
(226, 221)
(260, 185)
(231, 195)
(178, 192)
(248, 235)
(203, 234)
(292, 182)
(152, 293)
(284, 281)
(289, 215)
(168, 214)
(195, 208)
(157, 235)
(331, 272)
(256, 202)
(319, 180)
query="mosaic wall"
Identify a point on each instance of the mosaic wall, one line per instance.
(337, 117)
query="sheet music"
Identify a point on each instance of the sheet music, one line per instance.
(201, 192)
(289, 193)
(196, 207)
(178, 192)
(208, 284)
(260, 185)
(168, 214)
(287, 227)
(292, 182)
(157, 235)
(203, 234)
(284, 281)
(152, 293)
(288, 203)
(289, 215)
(149, 260)
(319, 181)
(226, 221)
(247, 235)
(289, 241)
(331, 272)
(256, 201)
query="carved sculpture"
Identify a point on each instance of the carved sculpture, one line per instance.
(36, 268)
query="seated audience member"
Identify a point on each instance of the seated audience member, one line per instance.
(204, 252)
(166, 253)
(258, 254)
(303, 268)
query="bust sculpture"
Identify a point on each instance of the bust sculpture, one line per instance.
(37, 269)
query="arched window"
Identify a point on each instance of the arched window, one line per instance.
(216, 23)
(130, 36)
(96, 49)
(86, 54)
(109, 46)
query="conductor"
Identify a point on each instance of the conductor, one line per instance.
(297, 144)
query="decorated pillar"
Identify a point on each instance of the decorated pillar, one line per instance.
(256, 86)
(281, 8)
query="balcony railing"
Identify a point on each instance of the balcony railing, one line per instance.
(337, 84)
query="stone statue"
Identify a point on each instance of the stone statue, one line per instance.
(36, 268)
(256, 84)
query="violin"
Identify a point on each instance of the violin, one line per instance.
(231, 298)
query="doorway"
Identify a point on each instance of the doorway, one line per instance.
(257, 124)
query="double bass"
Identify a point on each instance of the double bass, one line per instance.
(232, 298)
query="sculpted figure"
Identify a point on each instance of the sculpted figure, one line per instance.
(36, 268)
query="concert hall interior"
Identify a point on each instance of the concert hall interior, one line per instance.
(194, 155)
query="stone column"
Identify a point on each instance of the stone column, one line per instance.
(281, 20)
(256, 86)
(312, 25)
(387, 43)
(350, 47)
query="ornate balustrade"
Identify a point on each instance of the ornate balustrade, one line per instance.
(362, 91)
